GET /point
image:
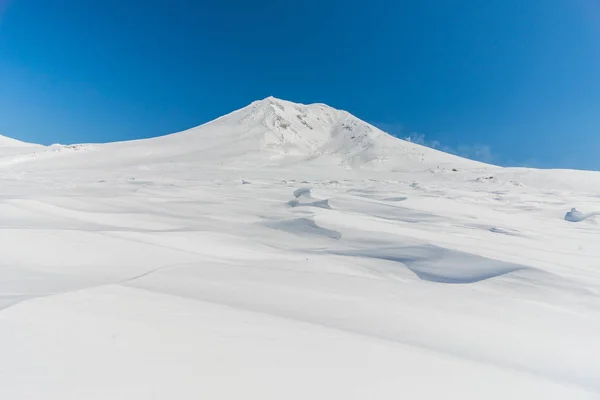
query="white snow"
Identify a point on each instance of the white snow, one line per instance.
(577, 216)
(10, 142)
(289, 251)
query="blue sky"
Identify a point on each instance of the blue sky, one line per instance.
(509, 81)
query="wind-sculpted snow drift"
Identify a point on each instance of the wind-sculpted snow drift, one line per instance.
(289, 251)
(578, 216)
(436, 264)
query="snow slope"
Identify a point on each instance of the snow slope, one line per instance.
(255, 257)
(10, 142)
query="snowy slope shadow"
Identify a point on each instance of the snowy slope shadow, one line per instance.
(495, 229)
(304, 227)
(374, 194)
(399, 198)
(436, 264)
(505, 231)
(319, 204)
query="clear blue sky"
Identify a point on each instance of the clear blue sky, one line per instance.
(517, 81)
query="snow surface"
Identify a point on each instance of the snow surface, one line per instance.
(577, 216)
(289, 251)
(10, 142)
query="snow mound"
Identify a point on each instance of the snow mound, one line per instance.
(577, 216)
(302, 192)
(306, 194)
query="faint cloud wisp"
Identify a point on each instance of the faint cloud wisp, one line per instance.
(478, 152)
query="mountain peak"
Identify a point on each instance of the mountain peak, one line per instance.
(282, 103)
(276, 131)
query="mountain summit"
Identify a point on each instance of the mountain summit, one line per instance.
(278, 131)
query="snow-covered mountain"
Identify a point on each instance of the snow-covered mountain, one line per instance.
(288, 251)
(282, 131)
(268, 132)
(277, 131)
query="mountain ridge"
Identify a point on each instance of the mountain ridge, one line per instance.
(273, 131)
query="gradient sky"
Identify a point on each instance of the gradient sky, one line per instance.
(515, 82)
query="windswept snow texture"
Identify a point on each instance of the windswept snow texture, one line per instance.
(289, 251)
(440, 265)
